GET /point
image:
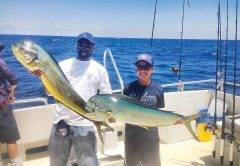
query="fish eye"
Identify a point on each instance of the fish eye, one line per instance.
(29, 52)
(29, 58)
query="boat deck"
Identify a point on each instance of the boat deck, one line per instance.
(188, 152)
(183, 153)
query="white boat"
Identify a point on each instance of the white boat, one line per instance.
(177, 147)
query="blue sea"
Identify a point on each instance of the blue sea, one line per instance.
(198, 60)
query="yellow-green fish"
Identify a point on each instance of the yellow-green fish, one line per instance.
(33, 57)
(129, 110)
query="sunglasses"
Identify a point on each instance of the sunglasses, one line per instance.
(85, 44)
(144, 67)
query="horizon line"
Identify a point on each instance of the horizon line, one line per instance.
(115, 37)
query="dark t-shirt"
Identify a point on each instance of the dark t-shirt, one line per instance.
(151, 96)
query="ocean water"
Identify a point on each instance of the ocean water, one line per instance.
(198, 60)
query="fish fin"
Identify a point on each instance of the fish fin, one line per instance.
(187, 122)
(131, 100)
(99, 130)
(108, 127)
(189, 127)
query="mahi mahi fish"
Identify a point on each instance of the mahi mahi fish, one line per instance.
(129, 110)
(33, 57)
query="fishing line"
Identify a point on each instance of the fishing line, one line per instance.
(234, 91)
(216, 82)
(154, 18)
(224, 94)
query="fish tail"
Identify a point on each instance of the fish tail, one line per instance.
(187, 122)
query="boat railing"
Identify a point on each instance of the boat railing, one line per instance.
(25, 103)
(106, 53)
(187, 82)
(180, 85)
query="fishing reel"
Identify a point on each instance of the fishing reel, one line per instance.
(229, 137)
(210, 127)
(176, 69)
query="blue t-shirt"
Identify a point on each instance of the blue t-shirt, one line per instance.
(151, 96)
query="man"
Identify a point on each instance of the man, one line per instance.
(142, 145)
(87, 77)
(9, 133)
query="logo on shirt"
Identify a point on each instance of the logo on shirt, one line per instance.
(145, 98)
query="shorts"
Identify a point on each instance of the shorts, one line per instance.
(64, 137)
(8, 127)
(142, 152)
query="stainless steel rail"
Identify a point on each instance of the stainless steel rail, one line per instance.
(106, 53)
(44, 100)
(186, 83)
(27, 103)
(181, 85)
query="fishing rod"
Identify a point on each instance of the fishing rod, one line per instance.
(180, 55)
(224, 94)
(216, 82)
(154, 18)
(177, 70)
(234, 91)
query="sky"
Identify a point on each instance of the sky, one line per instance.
(114, 18)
